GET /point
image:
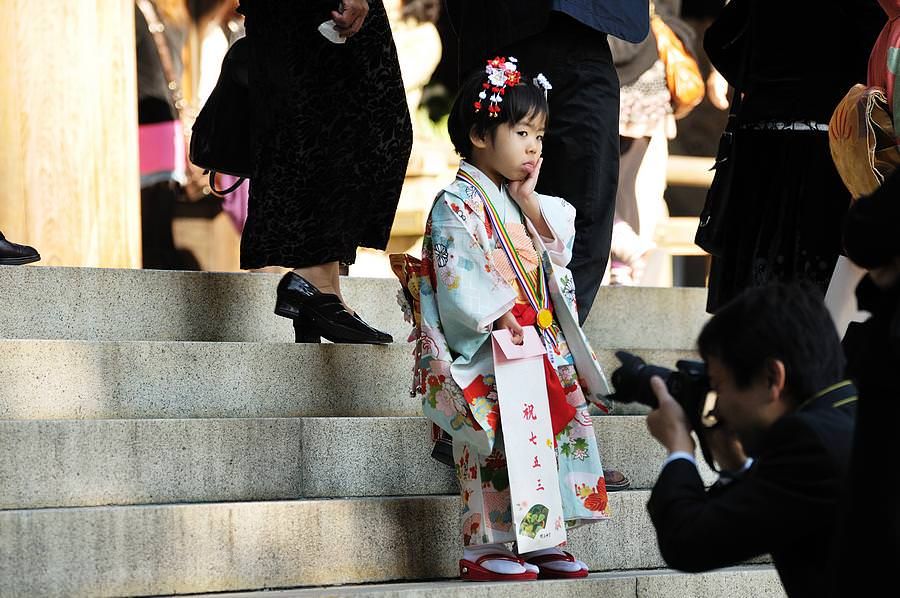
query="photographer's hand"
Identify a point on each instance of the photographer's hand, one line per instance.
(727, 450)
(668, 423)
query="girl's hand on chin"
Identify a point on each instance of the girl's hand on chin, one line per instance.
(522, 191)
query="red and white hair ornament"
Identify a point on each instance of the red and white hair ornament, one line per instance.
(501, 72)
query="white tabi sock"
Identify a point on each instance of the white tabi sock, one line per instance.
(566, 566)
(473, 553)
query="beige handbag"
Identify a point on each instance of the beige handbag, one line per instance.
(863, 142)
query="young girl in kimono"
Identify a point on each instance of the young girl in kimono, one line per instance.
(494, 257)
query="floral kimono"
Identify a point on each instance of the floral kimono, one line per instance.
(467, 282)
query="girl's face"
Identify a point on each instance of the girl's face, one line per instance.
(512, 151)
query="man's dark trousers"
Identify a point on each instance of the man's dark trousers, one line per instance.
(581, 147)
(565, 40)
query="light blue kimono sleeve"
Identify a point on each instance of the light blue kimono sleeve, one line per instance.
(560, 218)
(470, 294)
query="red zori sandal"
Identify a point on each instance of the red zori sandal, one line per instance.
(550, 573)
(475, 572)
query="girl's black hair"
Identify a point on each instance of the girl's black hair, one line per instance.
(523, 100)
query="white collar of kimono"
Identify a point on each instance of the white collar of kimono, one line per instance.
(482, 179)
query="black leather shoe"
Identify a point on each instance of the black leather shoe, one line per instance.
(324, 312)
(13, 254)
(304, 333)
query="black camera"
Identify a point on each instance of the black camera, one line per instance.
(688, 385)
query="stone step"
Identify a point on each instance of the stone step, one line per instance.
(131, 462)
(116, 305)
(47, 379)
(179, 549)
(746, 581)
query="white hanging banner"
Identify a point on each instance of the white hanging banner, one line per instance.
(528, 439)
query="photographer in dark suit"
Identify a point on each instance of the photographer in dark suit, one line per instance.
(566, 40)
(775, 361)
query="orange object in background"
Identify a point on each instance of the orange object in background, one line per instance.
(686, 84)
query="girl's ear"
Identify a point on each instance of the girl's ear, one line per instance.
(478, 141)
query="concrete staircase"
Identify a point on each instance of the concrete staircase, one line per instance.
(160, 434)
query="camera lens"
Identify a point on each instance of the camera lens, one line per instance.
(632, 380)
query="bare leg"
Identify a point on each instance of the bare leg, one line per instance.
(336, 283)
(319, 276)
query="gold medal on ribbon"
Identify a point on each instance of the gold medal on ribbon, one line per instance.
(544, 319)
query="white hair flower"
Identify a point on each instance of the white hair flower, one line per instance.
(542, 82)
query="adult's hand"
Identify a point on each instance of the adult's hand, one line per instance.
(727, 450)
(351, 16)
(717, 90)
(668, 423)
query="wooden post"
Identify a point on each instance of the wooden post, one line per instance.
(69, 182)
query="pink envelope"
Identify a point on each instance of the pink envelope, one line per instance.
(531, 347)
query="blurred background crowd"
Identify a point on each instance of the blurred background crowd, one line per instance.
(665, 156)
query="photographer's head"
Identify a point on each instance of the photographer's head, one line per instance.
(767, 352)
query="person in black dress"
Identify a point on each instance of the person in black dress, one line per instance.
(332, 137)
(793, 61)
